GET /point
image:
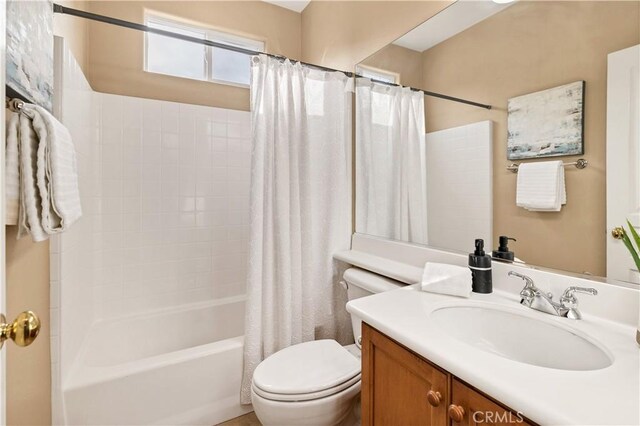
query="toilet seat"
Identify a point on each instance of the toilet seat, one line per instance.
(306, 371)
(307, 396)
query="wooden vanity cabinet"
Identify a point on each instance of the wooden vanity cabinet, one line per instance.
(400, 388)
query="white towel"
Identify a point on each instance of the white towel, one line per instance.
(12, 169)
(30, 219)
(541, 186)
(446, 279)
(57, 173)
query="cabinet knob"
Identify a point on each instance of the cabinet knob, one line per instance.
(456, 413)
(434, 398)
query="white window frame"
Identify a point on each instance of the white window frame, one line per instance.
(371, 72)
(209, 34)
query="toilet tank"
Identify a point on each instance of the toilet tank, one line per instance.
(361, 283)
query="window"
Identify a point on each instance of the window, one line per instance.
(180, 58)
(378, 74)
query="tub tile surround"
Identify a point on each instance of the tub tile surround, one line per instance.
(165, 195)
(550, 396)
(174, 206)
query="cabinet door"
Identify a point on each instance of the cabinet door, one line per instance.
(398, 387)
(470, 407)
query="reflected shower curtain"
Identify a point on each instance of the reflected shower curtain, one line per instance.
(300, 208)
(391, 175)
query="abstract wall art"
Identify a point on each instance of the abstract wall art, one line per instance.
(30, 51)
(548, 123)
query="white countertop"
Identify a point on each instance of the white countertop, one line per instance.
(608, 396)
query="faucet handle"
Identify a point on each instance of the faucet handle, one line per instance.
(569, 292)
(527, 280)
(569, 301)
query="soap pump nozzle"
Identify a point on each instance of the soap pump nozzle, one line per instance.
(504, 243)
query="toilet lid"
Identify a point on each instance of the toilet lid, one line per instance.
(306, 368)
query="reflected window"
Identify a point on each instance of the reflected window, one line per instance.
(378, 74)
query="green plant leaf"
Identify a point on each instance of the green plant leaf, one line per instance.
(632, 250)
(636, 237)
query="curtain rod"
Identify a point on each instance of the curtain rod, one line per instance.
(57, 8)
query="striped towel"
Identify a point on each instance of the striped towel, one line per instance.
(12, 169)
(44, 170)
(541, 186)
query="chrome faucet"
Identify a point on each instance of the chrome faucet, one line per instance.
(567, 306)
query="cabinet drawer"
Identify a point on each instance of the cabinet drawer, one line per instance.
(470, 407)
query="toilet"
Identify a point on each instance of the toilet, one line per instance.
(318, 382)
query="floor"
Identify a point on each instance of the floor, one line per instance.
(246, 420)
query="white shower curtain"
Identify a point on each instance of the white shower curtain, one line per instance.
(391, 175)
(300, 208)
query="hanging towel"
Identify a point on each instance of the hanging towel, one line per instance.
(29, 216)
(12, 169)
(541, 186)
(446, 279)
(57, 174)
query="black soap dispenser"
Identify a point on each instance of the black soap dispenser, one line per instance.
(503, 252)
(480, 265)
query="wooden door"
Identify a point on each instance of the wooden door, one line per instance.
(3, 31)
(399, 387)
(470, 407)
(623, 157)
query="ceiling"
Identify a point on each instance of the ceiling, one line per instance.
(295, 5)
(453, 20)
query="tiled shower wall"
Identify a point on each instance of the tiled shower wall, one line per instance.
(165, 197)
(72, 253)
(174, 204)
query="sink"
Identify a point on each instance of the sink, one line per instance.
(520, 338)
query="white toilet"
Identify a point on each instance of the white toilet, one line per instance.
(316, 383)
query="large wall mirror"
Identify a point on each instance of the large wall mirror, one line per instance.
(436, 171)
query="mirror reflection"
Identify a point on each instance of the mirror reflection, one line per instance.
(436, 166)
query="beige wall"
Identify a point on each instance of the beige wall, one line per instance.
(340, 34)
(116, 56)
(529, 47)
(400, 60)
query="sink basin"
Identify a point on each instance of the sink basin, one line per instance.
(520, 338)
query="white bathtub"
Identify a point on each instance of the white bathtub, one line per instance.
(182, 366)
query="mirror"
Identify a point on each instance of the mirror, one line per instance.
(528, 61)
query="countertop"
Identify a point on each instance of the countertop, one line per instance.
(608, 396)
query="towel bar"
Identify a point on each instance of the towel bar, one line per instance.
(14, 104)
(579, 164)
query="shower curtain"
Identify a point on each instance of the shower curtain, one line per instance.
(391, 175)
(300, 208)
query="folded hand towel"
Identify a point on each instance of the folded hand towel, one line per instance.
(541, 186)
(446, 279)
(12, 169)
(57, 174)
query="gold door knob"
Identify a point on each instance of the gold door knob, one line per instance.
(617, 232)
(456, 413)
(23, 330)
(434, 398)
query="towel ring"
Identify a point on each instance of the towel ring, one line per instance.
(581, 163)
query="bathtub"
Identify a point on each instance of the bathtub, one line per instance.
(181, 366)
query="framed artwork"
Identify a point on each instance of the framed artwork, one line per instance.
(30, 51)
(549, 123)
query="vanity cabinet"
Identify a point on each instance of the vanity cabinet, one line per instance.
(401, 388)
